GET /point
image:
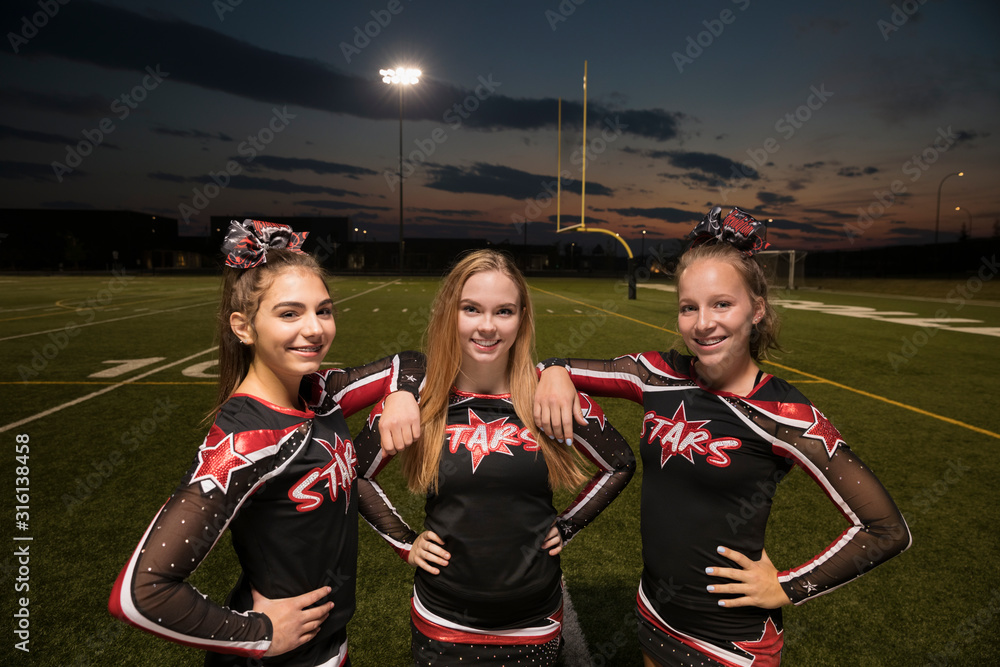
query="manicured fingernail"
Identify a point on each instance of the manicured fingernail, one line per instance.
(721, 550)
(722, 603)
(709, 570)
(569, 442)
(711, 588)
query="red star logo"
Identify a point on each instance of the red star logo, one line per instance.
(677, 435)
(217, 462)
(822, 429)
(766, 651)
(592, 410)
(483, 438)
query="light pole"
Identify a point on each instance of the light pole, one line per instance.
(959, 208)
(400, 76)
(642, 246)
(937, 217)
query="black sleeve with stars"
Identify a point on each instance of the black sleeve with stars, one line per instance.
(152, 592)
(877, 530)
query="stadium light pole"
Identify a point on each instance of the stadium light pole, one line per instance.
(959, 208)
(937, 217)
(642, 252)
(400, 76)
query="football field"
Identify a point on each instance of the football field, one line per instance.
(106, 379)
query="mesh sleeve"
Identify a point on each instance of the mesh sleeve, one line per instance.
(599, 442)
(877, 530)
(152, 592)
(373, 505)
(354, 389)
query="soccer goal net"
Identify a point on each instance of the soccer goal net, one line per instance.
(785, 269)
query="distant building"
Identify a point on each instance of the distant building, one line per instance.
(89, 240)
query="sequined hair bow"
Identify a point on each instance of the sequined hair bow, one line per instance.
(738, 229)
(247, 242)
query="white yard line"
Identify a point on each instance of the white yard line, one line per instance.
(81, 399)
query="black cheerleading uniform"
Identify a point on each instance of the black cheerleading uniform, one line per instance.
(282, 482)
(500, 594)
(711, 464)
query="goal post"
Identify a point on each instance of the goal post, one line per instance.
(784, 269)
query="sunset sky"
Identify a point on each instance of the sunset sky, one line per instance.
(850, 114)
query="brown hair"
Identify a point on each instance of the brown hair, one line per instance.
(242, 291)
(764, 335)
(444, 360)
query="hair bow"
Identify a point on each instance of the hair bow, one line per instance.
(739, 229)
(247, 242)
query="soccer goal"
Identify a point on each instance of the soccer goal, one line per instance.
(784, 269)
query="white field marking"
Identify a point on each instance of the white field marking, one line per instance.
(549, 310)
(575, 650)
(890, 316)
(662, 288)
(75, 401)
(124, 366)
(374, 310)
(577, 310)
(345, 310)
(112, 387)
(139, 310)
(199, 370)
(405, 309)
(878, 295)
(114, 319)
(20, 310)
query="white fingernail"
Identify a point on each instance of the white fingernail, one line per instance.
(569, 442)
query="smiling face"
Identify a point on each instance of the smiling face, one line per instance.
(716, 315)
(293, 327)
(489, 315)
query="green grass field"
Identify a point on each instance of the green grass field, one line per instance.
(917, 403)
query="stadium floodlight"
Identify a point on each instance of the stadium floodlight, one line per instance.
(937, 217)
(401, 77)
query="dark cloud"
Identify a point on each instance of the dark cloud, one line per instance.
(202, 57)
(338, 205)
(969, 136)
(8, 132)
(805, 227)
(851, 172)
(191, 134)
(278, 163)
(243, 182)
(710, 164)
(172, 178)
(13, 171)
(813, 165)
(465, 212)
(495, 179)
(796, 184)
(829, 213)
(773, 199)
(64, 103)
(664, 213)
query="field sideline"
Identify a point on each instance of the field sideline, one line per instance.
(109, 376)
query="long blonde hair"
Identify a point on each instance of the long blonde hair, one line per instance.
(444, 360)
(242, 290)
